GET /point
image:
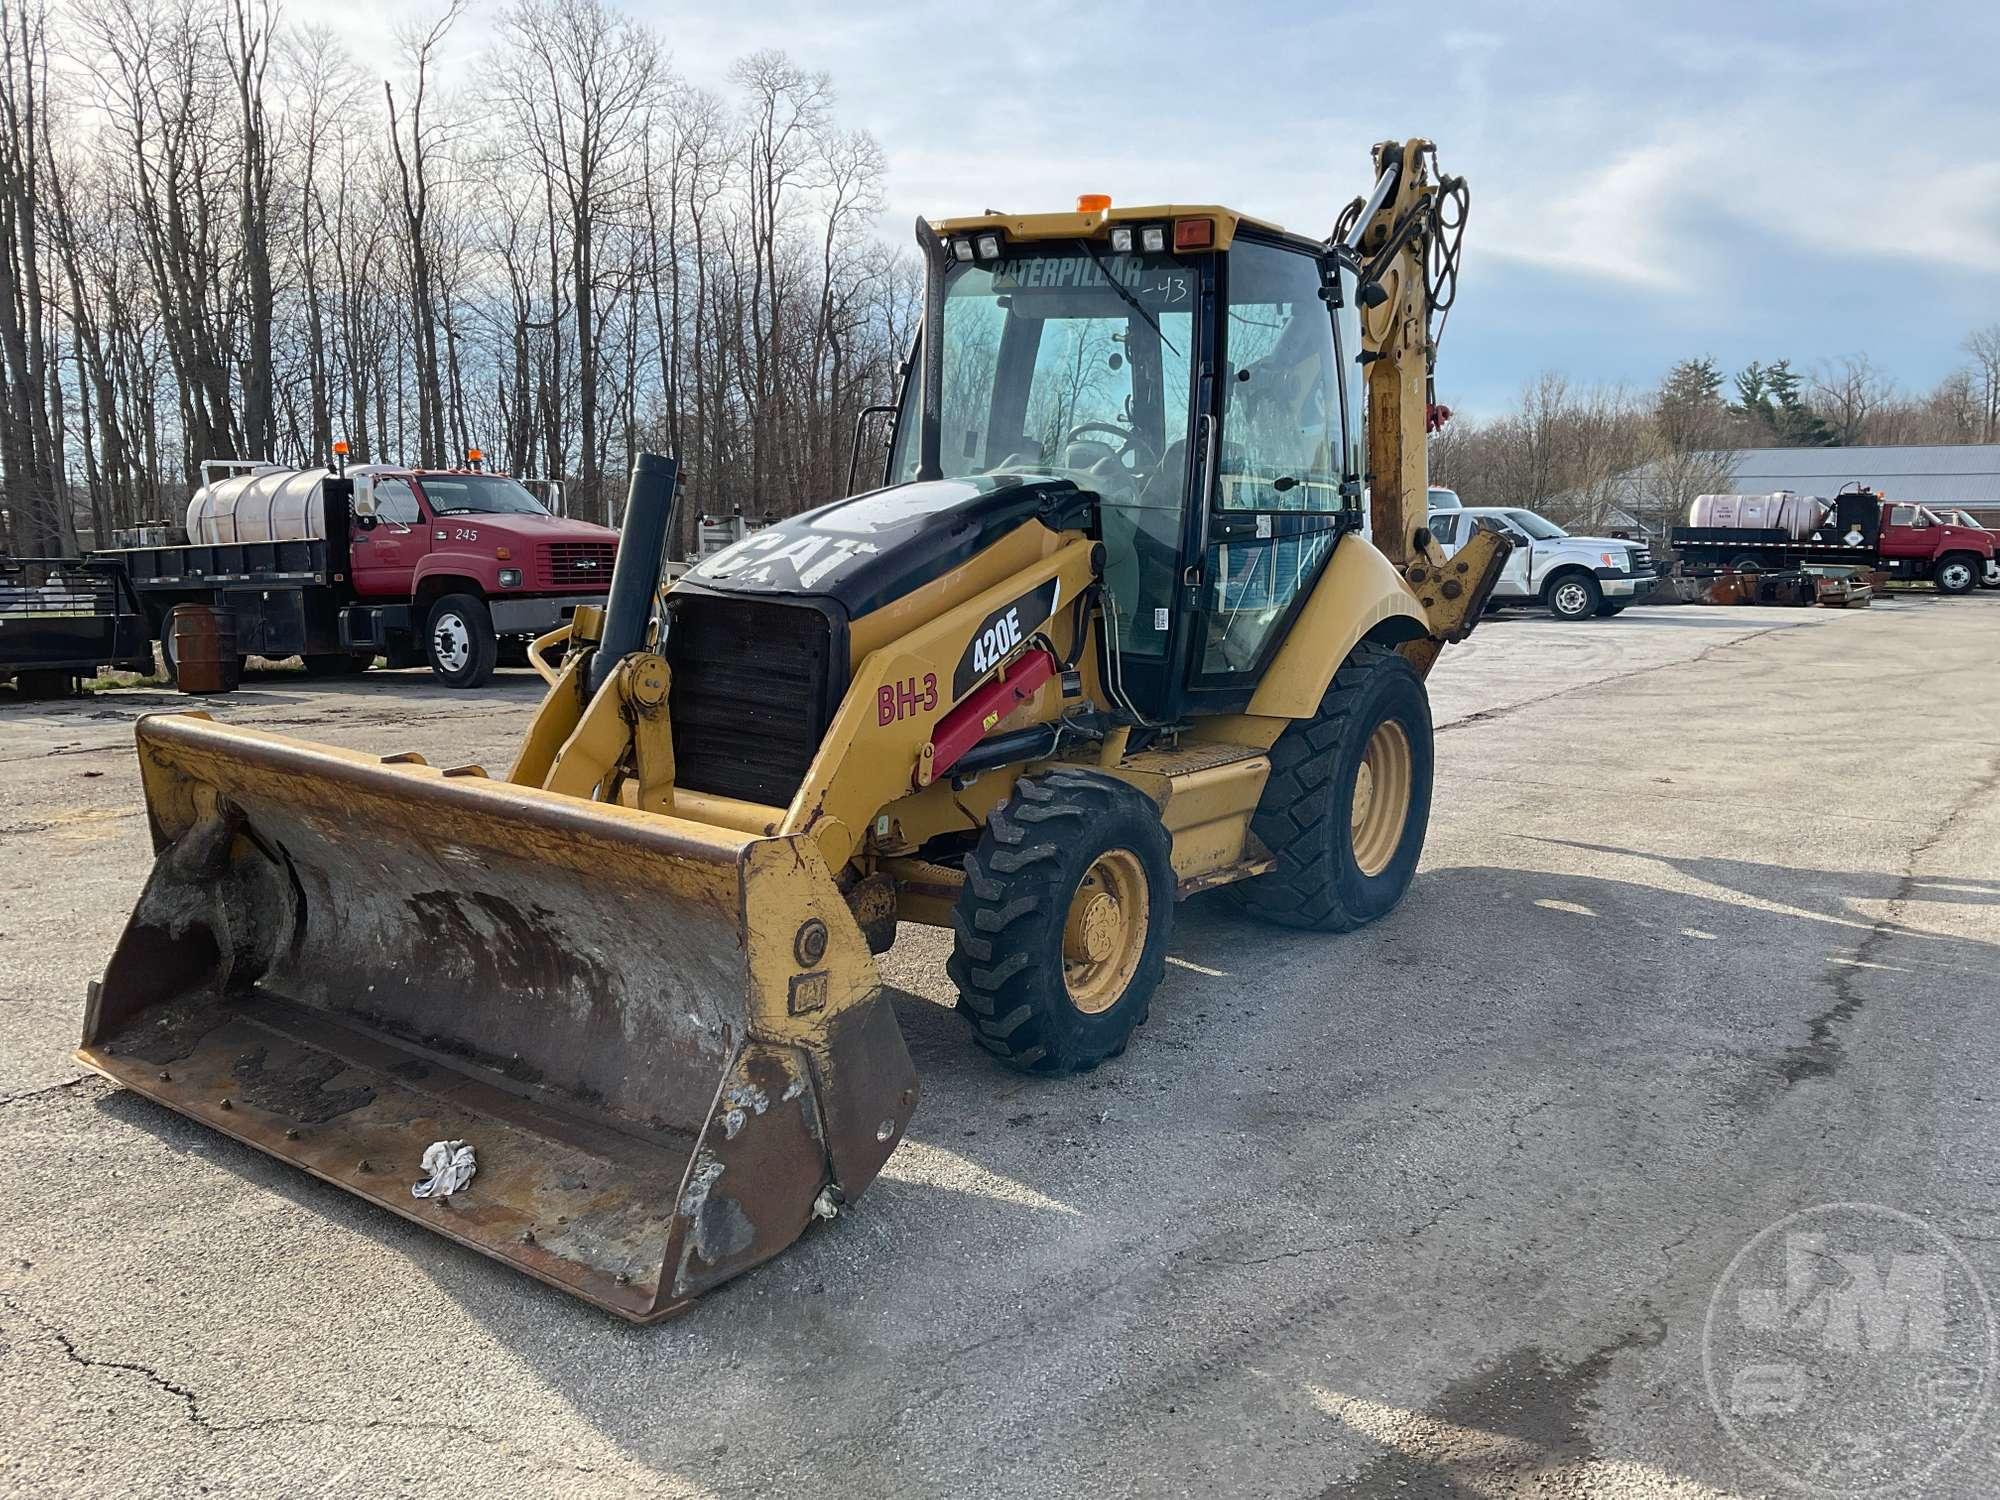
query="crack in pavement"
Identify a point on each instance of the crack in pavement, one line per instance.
(192, 1402)
(1822, 1052)
(1503, 710)
(47, 1089)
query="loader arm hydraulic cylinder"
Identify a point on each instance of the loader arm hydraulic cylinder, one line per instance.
(635, 578)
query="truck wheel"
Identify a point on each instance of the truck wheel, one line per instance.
(1956, 574)
(1573, 596)
(1348, 800)
(169, 669)
(1063, 923)
(336, 664)
(460, 637)
(1749, 562)
(1989, 575)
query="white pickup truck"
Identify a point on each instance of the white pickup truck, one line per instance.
(1576, 577)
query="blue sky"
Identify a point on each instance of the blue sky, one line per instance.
(1648, 181)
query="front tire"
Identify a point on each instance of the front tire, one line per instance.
(1989, 575)
(1348, 800)
(460, 641)
(1573, 596)
(1063, 924)
(1956, 574)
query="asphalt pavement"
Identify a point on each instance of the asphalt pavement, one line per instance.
(1467, 1203)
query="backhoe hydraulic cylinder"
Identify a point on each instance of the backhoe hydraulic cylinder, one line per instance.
(642, 555)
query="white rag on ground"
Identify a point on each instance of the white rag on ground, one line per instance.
(450, 1165)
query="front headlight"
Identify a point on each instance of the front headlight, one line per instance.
(1620, 560)
(510, 578)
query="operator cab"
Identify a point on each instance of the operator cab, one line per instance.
(1210, 399)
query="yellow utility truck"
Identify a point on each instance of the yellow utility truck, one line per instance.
(1143, 607)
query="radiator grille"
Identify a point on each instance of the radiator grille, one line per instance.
(577, 564)
(754, 685)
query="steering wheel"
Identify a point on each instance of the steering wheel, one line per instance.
(1129, 441)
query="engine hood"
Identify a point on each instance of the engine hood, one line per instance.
(530, 527)
(1596, 543)
(1980, 541)
(868, 550)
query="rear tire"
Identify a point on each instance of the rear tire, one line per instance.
(1314, 815)
(1573, 596)
(1957, 573)
(460, 642)
(1063, 924)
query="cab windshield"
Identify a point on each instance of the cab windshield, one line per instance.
(479, 494)
(1061, 361)
(1535, 526)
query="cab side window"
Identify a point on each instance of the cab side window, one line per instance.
(396, 502)
(1445, 528)
(1282, 450)
(1282, 431)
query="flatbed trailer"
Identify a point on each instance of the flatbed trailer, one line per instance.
(64, 618)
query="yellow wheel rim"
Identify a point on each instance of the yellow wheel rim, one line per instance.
(1381, 798)
(1105, 931)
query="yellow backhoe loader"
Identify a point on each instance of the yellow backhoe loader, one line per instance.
(1143, 606)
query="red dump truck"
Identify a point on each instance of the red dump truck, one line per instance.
(459, 568)
(1856, 528)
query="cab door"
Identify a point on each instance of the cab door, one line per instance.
(1519, 578)
(1280, 454)
(384, 556)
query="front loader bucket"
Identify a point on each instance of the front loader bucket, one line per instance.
(666, 1043)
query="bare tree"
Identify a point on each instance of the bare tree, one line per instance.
(414, 180)
(579, 84)
(1983, 344)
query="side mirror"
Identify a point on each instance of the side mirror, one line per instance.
(364, 498)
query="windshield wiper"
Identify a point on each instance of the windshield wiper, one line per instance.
(1130, 301)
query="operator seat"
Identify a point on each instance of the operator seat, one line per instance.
(1142, 548)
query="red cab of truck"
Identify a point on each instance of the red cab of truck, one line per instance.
(1917, 542)
(470, 565)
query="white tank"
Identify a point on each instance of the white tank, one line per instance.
(1795, 515)
(265, 505)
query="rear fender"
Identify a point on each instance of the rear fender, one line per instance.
(1357, 591)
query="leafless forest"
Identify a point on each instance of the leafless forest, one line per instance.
(225, 236)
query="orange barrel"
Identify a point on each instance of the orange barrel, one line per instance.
(205, 659)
